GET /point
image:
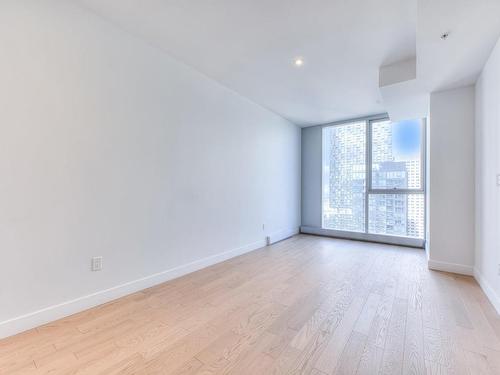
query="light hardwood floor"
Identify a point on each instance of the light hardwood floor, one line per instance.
(307, 305)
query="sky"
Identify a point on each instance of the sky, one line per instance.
(406, 139)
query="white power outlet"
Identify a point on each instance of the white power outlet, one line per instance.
(498, 179)
(96, 263)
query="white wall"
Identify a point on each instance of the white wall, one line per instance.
(311, 176)
(487, 167)
(109, 147)
(451, 182)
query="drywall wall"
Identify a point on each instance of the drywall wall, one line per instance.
(451, 183)
(108, 147)
(487, 265)
(311, 176)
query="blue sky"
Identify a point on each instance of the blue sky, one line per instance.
(406, 138)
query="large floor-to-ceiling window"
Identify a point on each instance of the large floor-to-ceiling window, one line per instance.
(373, 179)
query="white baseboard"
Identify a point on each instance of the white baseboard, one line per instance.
(461, 269)
(282, 235)
(488, 290)
(37, 318)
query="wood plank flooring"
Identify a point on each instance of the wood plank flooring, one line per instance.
(307, 305)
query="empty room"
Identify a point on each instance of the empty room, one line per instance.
(249, 187)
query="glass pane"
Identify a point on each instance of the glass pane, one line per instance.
(396, 214)
(344, 160)
(396, 154)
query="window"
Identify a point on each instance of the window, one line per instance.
(396, 214)
(373, 178)
(396, 154)
(344, 177)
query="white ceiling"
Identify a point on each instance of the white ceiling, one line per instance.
(249, 46)
(474, 27)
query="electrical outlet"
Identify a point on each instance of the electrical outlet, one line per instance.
(96, 264)
(498, 179)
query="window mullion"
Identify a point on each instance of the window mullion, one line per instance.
(368, 174)
(396, 191)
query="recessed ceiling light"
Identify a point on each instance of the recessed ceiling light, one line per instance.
(445, 35)
(298, 61)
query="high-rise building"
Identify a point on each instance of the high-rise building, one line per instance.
(343, 207)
